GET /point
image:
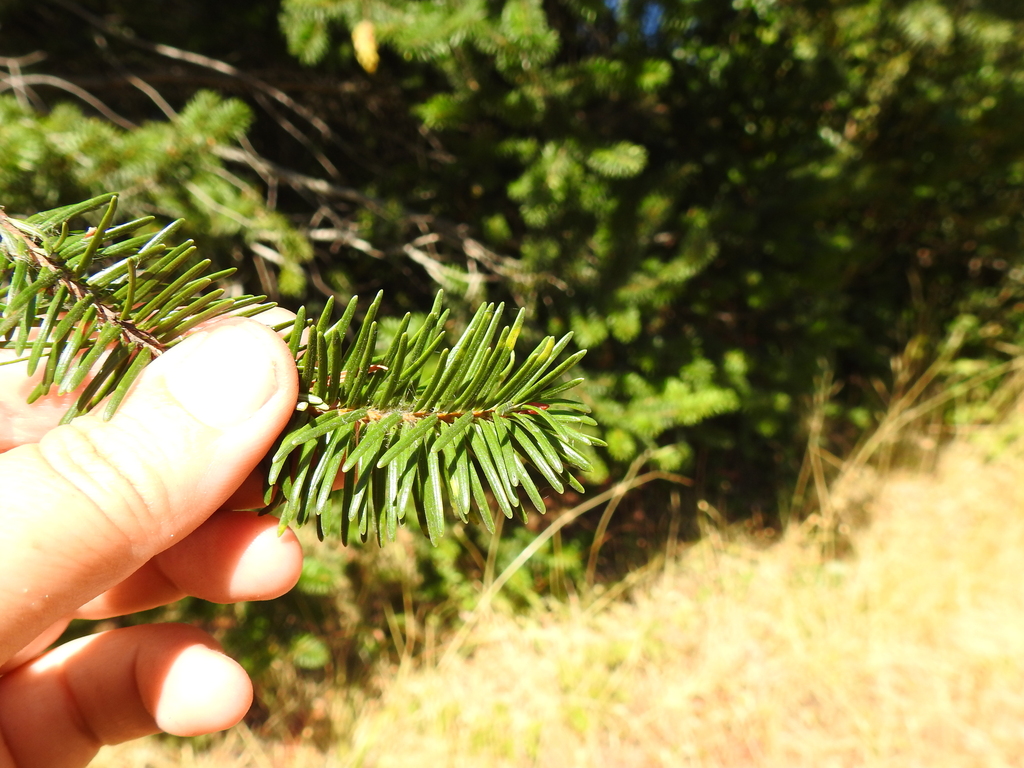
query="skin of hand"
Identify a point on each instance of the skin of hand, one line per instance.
(106, 518)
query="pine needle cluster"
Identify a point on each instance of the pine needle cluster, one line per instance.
(377, 435)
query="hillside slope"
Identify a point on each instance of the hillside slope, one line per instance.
(908, 652)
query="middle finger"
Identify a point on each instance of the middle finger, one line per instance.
(232, 556)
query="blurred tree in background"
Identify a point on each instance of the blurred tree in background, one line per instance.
(725, 201)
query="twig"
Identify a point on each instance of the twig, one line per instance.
(292, 130)
(14, 65)
(154, 95)
(79, 290)
(199, 60)
(14, 83)
(344, 236)
(296, 180)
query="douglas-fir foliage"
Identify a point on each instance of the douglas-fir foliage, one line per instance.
(418, 426)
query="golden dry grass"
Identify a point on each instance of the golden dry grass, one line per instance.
(908, 653)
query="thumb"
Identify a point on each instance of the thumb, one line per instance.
(92, 501)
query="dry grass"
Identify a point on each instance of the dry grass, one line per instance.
(908, 653)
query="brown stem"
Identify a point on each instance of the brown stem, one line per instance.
(132, 333)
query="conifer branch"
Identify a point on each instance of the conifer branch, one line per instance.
(414, 428)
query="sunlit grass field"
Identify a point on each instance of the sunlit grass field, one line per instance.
(909, 651)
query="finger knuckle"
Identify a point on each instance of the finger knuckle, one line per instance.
(112, 478)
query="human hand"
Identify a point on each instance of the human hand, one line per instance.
(105, 518)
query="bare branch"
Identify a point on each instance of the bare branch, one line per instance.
(290, 128)
(154, 95)
(22, 61)
(201, 61)
(268, 253)
(345, 237)
(299, 181)
(13, 83)
(14, 65)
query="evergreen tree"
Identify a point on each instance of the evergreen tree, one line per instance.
(718, 199)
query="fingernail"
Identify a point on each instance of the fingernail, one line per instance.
(222, 376)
